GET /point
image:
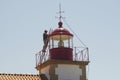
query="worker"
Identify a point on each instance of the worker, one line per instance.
(45, 40)
(45, 37)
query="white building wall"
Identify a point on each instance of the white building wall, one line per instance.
(68, 72)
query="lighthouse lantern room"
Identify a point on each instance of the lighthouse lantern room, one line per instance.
(61, 44)
(59, 60)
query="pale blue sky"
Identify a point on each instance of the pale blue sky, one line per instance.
(96, 22)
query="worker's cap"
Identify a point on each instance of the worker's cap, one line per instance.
(45, 31)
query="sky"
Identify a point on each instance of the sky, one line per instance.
(96, 22)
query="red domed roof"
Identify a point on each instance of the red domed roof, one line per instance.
(60, 33)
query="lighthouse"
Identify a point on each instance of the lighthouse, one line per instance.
(60, 60)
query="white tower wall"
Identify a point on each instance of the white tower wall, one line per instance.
(68, 72)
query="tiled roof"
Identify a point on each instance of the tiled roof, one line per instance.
(4, 76)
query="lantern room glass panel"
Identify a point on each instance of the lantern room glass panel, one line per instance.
(68, 43)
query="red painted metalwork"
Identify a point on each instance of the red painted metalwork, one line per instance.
(60, 24)
(60, 31)
(61, 53)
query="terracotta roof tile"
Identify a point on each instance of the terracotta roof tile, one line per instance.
(4, 76)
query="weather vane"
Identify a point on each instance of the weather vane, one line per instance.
(60, 13)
